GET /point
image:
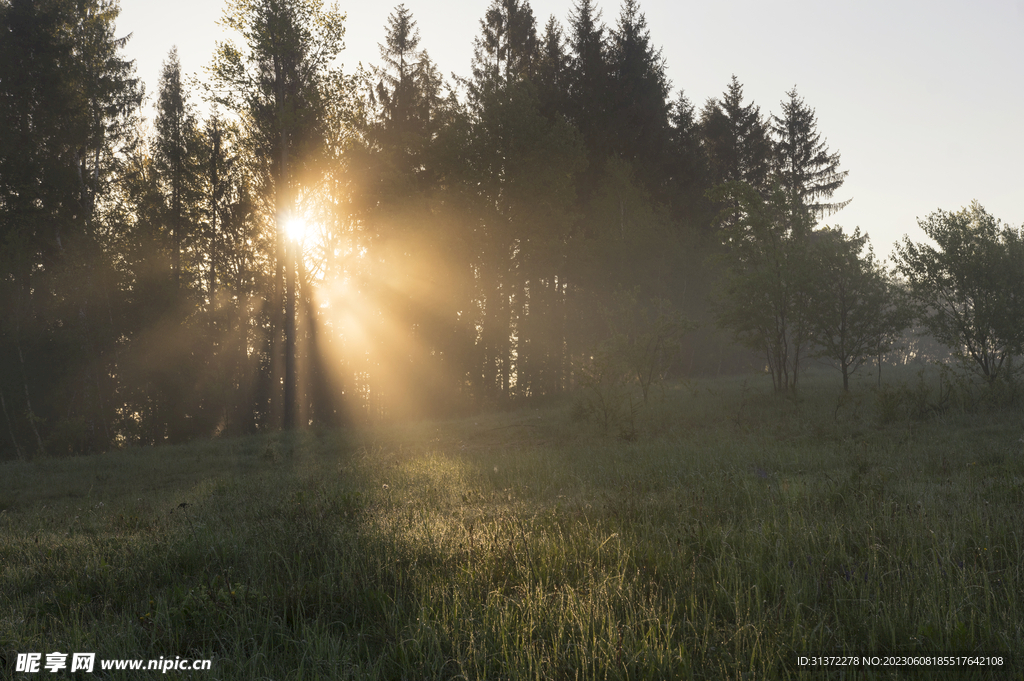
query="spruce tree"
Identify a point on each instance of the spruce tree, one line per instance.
(407, 97)
(686, 171)
(804, 167)
(521, 170)
(589, 83)
(177, 152)
(736, 140)
(639, 101)
(395, 89)
(68, 104)
(552, 72)
(506, 50)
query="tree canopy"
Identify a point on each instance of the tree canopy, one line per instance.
(308, 246)
(968, 288)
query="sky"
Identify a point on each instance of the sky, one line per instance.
(923, 100)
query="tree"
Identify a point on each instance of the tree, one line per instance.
(646, 337)
(642, 341)
(736, 141)
(520, 169)
(804, 167)
(639, 101)
(407, 93)
(855, 312)
(176, 149)
(686, 172)
(589, 90)
(403, 118)
(278, 86)
(396, 84)
(968, 289)
(68, 100)
(768, 291)
(506, 50)
(552, 72)
(42, 121)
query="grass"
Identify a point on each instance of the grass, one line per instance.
(738, 531)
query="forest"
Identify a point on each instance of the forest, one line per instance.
(287, 246)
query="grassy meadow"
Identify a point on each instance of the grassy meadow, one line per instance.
(731, 532)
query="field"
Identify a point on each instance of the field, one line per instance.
(734, 532)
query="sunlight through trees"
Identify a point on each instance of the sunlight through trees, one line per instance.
(314, 247)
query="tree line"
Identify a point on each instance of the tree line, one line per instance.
(317, 247)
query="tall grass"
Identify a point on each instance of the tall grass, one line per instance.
(739, 531)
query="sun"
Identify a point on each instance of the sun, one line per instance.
(295, 229)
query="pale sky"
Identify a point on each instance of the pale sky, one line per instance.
(924, 100)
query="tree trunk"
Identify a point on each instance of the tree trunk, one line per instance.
(10, 427)
(284, 207)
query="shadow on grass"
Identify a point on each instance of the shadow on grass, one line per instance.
(517, 547)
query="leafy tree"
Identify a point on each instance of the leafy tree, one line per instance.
(805, 169)
(856, 313)
(767, 298)
(968, 289)
(643, 339)
(647, 338)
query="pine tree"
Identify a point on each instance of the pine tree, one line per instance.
(805, 169)
(506, 51)
(396, 87)
(408, 96)
(589, 84)
(736, 140)
(640, 106)
(552, 72)
(686, 171)
(68, 100)
(42, 120)
(176, 151)
(521, 170)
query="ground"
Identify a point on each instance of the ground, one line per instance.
(735, 532)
